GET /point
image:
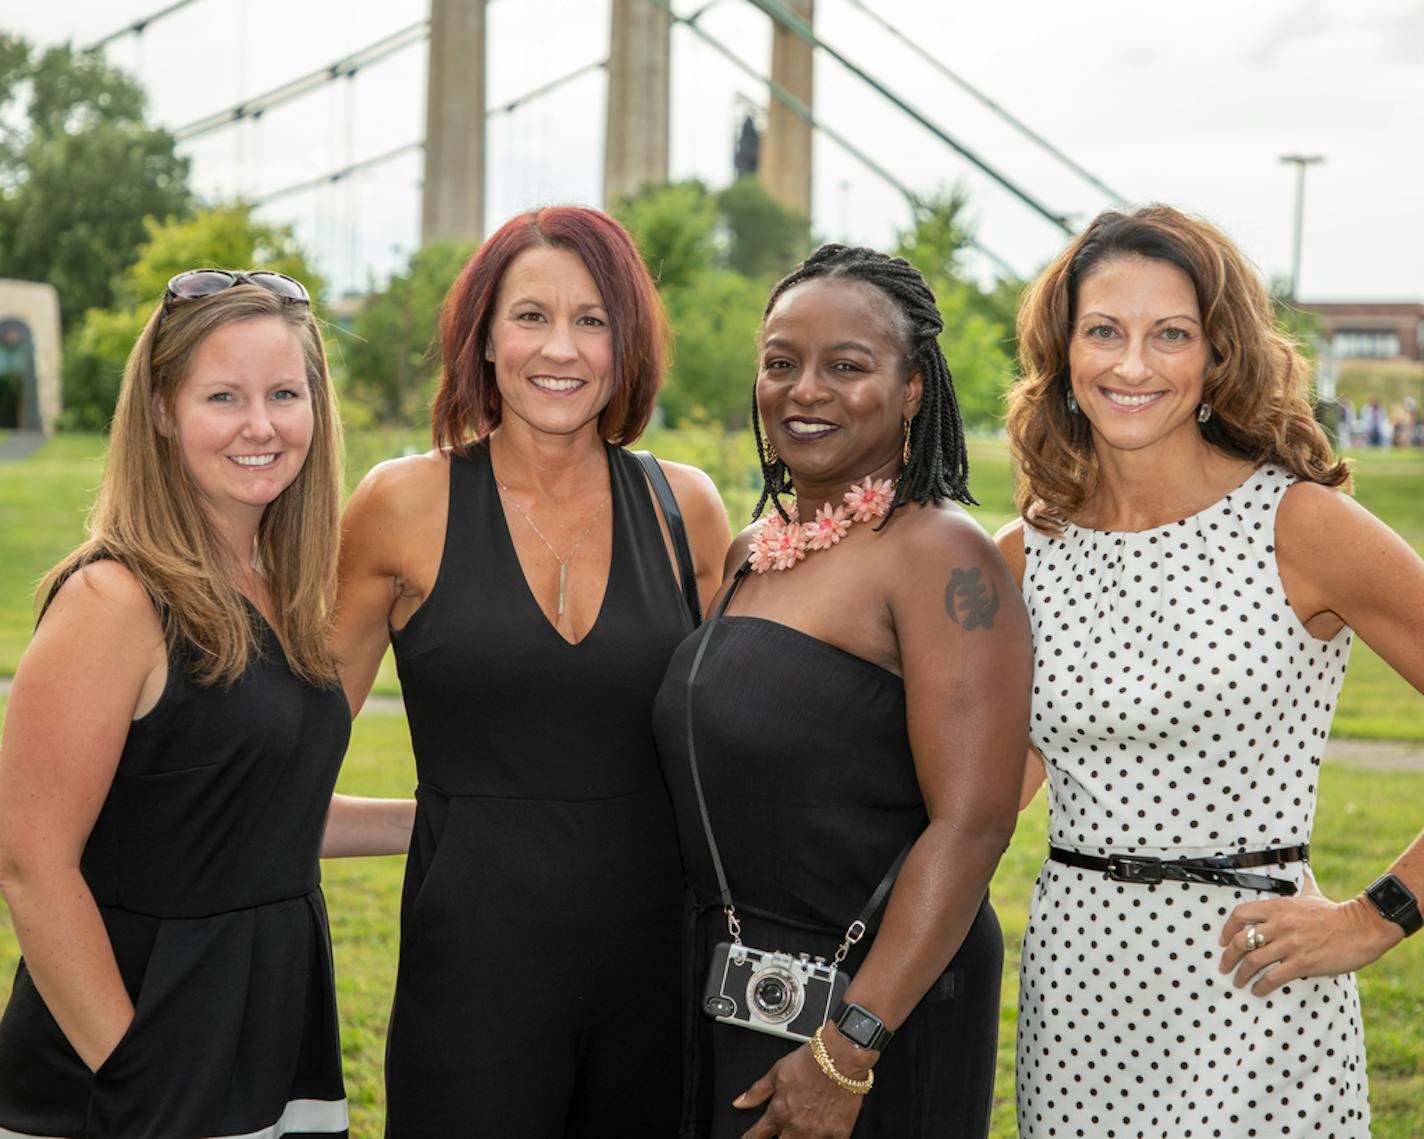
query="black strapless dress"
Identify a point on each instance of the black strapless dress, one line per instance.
(805, 763)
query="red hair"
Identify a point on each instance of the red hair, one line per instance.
(467, 406)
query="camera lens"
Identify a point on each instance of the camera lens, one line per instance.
(772, 996)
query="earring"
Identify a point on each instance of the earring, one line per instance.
(772, 458)
(905, 447)
(1072, 402)
(1204, 413)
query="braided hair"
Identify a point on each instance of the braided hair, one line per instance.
(938, 466)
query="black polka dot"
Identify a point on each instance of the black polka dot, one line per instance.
(1181, 710)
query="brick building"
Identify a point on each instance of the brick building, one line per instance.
(1371, 330)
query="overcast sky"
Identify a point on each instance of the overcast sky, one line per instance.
(1190, 104)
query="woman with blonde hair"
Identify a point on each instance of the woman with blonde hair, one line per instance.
(1194, 574)
(172, 738)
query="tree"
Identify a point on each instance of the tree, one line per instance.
(675, 228)
(716, 258)
(714, 311)
(715, 316)
(978, 336)
(225, 236)
(392, 363)
(762, 237)
(80, 170)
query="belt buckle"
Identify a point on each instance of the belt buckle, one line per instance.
(1134, 868)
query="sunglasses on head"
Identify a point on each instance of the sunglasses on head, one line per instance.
(195, 284)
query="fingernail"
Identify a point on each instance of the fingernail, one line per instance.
(738, 1101)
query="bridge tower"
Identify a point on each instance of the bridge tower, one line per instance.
(786, 150)
(635, 147)
(453, 194)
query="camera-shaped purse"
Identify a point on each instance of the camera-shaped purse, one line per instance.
(771, 991)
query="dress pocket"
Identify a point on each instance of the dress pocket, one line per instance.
(143, 1000)
(428, 851)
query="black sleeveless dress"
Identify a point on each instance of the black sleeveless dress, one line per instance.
(537, 992)
(805, 763)
(204, 864)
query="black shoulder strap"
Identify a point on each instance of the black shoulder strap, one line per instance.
(686, 572)
(857, 928)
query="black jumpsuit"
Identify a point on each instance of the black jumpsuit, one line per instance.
(203, 862)
(537, 992)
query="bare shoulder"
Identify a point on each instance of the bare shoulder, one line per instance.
(1310, 511)
(696, 493)
(406, 477)
(1010, 541)
(741, 546)
(100, 622)
(1326, 536)
(105, 594)
(399, 485)
(942, 534)
(943, 557)
(704, 516)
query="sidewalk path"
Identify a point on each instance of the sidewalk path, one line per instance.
(1371, 755)
(20, 444)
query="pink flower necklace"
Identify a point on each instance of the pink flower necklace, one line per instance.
(779, 545)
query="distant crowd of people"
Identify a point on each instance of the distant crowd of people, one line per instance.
(1374, 425)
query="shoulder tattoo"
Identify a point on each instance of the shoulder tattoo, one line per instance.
(969, 600)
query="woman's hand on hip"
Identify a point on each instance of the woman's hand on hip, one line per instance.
(802, 1102)
(1307, 935)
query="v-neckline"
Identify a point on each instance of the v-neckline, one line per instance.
(513, 553)
(284, 659)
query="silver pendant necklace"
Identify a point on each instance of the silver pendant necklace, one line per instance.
(567, 558)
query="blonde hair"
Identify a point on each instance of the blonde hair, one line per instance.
(1257, 384)
(149, 515)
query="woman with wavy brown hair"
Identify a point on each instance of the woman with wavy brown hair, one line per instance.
(170, 747)
(1194, 574)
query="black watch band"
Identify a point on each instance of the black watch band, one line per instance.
(861, 1027)
(1395, 902)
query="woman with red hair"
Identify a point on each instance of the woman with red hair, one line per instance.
(534, 592)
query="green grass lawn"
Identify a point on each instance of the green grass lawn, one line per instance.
(1365, 819)
(43, 500)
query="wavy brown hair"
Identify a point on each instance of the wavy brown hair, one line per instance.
(149, 514)
(1257, 384)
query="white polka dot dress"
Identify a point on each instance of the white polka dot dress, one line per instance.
(1181, 710)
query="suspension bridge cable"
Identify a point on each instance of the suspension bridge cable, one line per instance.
(343, 68)
(546, 88)
(802, 111)
(138, 27)
(338, 175)
(964, 85)
(795, 24)
(397, 152)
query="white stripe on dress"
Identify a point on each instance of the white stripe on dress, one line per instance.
(323, 1116)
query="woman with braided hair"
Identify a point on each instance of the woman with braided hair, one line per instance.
(845, 726)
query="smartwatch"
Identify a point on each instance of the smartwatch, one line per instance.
(1395, 902)
(866, 1030)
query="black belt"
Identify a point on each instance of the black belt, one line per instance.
(1221, 870)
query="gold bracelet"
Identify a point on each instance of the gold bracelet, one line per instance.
(823, 1058)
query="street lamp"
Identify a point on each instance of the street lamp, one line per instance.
(1300, 162)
